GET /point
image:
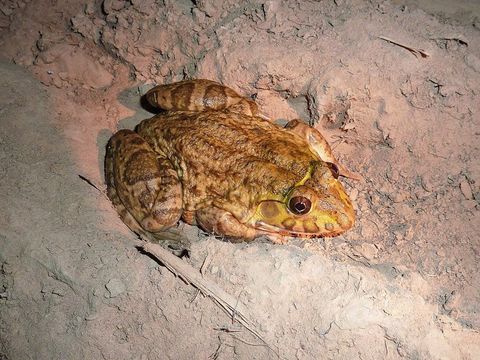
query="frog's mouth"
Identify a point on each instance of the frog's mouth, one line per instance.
(273, 216)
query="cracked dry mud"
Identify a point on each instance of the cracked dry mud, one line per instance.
(402, 284)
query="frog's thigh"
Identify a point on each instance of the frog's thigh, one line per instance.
(319, 145)
(146, 184)
(112, 194)
(221, 222)
(192, 95)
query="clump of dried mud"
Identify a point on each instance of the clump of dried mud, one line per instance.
(402, 284)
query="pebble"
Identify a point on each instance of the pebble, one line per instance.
(354, 194)
(399, 196)
(473, 62)
(59, 292)
(466, 190)
(441, 252)
(470, 204)
(198, 16)
(115, 287)
(369, 251)
(113, 5)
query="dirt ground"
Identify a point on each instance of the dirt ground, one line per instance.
(395, 85)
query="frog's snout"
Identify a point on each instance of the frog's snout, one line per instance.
(323, 219)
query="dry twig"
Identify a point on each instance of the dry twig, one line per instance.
(190, 275)
(414, 51)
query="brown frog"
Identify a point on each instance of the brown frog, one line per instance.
(212, 160)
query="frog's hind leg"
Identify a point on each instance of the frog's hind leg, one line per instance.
(112, 194)
(319, 145)
(199, 95)
(143, 187)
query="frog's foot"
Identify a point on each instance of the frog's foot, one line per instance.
(319, 145)
(143, 187)
(277, 238)
(200, 95)
(221, 222)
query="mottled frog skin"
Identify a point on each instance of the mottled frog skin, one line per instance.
(212, 160)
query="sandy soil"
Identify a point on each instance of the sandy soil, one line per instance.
(404, 283)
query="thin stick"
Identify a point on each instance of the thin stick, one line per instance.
(89, 182)
(227, 302)
(414, 51)
(97, 187)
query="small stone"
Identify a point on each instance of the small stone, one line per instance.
(441, 252)
(198, 16)
(214, 270)
(91, 317)
(466, 190)
(369, 251)
(89, 9)
(473, 62)
(399, 196)
(208, 8)
(115, 287)
(112, 5)
(393, 175)
(234, 279)
(111, 19)
(354, 194)
(6, 10)
(470, 204)
(99, 22)
(58, 292)
(202, 39)
(145, 51)
(57, 82)
(63, 75)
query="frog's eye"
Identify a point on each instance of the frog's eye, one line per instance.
(299, 205)
(334, 169)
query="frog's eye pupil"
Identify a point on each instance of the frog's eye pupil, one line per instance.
(299, 205)
(334, 169)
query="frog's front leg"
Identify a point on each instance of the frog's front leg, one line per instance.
(143, 186)
(319, 145)
(221, 222)
(200, 95)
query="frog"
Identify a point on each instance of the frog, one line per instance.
(212, 159)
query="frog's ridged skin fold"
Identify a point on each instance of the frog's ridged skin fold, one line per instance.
(211, 160)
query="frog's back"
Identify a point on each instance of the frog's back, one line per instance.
(217, 151)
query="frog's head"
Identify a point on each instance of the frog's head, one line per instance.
(315, 206)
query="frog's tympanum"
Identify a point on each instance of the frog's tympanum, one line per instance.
(213, 160)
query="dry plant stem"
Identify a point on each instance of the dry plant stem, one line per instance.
(227, 302)
(91, 183)
(414, 51)
(101, 189)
